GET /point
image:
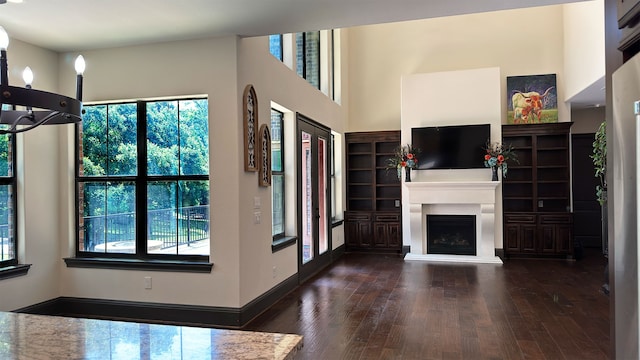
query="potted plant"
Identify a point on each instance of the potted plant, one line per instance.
(599, 158)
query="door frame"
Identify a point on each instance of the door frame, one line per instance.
(319, 261)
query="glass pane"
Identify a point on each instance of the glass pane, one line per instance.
(275, 46)
(277, 203)
(300, 54)
(162, 138)
(312, 58)
(7, 239)
(307, 199)
(109, 138)
(122, 139)
(178, 217)
(322, 196)
(93, 147)
(194, 137)
(107, 217)
(6, 156)
(276, 141)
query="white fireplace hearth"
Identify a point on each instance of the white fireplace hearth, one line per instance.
(476, 198)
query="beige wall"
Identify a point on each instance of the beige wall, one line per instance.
(159, 70)
(37, 196)
(586, 121)
(583, 45)
(242, 256)
(519, 42)
(273, 81)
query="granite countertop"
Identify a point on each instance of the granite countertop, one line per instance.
(35, 337)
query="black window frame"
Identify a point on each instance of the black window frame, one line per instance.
(280, 235)
(141, 258)
(11, 181)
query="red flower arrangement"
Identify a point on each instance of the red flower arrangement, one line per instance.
(497, 156)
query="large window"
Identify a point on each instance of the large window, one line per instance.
(8, 247)
(277, 174)
(143, 180)
(308, 56)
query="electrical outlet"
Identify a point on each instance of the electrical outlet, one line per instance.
(275, 272)
(147, 282)
(256, 217)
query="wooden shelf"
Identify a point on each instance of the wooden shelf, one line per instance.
(536, 194)
(373, 216)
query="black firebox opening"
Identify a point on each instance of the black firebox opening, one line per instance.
(451, 234)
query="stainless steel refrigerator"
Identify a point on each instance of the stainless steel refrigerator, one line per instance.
(622, 169)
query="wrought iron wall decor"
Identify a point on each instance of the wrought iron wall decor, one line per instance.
(264, 175)
(250, 118)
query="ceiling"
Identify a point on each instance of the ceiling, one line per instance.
(74, 25)
(71, 25)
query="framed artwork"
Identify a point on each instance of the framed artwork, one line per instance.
(264, 151)
(532, 99)
(250, 118)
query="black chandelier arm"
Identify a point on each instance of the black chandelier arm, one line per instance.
(39, 99)
(33, 120)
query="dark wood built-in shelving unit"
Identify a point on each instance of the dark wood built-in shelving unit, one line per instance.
(373, 220)
(536, 192)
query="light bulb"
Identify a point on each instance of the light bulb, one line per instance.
(27, 76)
(80, 65)
(4, 39)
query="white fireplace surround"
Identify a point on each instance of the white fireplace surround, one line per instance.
(476, 198)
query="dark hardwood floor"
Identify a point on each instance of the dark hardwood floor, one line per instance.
(369, 306)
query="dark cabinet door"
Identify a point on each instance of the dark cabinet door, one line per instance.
(395, 235)
(512, 238)
(564, 239)
(547, 239)
(381, 234)
(528, 235)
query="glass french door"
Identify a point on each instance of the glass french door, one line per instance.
(313, 203)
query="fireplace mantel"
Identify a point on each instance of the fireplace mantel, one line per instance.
(453, 197)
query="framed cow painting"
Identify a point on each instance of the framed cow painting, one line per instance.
(532, 99)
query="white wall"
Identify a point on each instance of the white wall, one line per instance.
(433, 99)
(519, 42)
(36, 169)
(583, 45)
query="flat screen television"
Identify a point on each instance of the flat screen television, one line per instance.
(451, 147)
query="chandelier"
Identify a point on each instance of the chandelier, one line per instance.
(40, 107)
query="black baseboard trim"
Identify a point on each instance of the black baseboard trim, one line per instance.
(500, 254)
(177, 314)
(191, 315)
(406, 249)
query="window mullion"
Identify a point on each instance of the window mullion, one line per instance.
(141, 181)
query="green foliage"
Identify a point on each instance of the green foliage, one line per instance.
(599, 158)
(177, 144)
